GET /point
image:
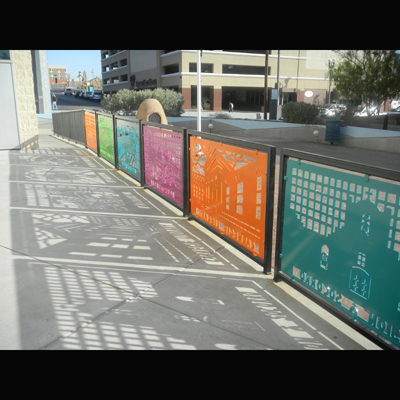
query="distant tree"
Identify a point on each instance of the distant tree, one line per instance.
(128, 101)
(369, 76)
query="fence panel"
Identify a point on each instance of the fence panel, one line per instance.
(164, 161)
(77, 127)
(90, 130)
(231, 188)
(56, 123)
(105, 125)
(70, 125)
(339, 238)
(61, 127)
(128, 140)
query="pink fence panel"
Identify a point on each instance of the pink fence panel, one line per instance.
(163, 162)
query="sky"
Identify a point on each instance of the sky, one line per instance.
(76, 60)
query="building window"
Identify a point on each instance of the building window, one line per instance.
(244, 69)
(171, 69)
(206, 68)
(4, 54)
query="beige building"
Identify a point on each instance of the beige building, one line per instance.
(58, 74)
(227, 75)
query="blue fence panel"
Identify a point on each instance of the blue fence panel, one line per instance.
(128, 141)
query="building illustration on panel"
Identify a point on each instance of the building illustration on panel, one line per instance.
(228, 191)
(342, 237)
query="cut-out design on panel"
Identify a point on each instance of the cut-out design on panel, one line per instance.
(163, 159)
(129, 146)
(360, 282)
(352, 222)
(228, 190)
(365, 224)
(324, 256)
(90, 128)
(106, 137)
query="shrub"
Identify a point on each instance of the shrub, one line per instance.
(300, 113)
(129, 100)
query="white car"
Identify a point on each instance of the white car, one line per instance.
(336, 109)
(97, 95)
(373, 110)
(394, 103)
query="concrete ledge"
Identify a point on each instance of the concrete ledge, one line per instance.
(372, 139)
(255, 129)
(390, 144)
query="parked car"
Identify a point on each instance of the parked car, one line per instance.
(68, 91)
(336, 109)
(81, 94)
(394, 103)
(373, 110)
(323, 111)
(86, 96)
(395, 110)
(97, 95)
(77, 93)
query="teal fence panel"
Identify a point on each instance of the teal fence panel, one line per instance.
(339, 237)
(105, 125)
(128, 141)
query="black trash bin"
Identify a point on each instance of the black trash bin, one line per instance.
(332, 132)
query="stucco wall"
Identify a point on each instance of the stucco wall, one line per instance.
(26, 98)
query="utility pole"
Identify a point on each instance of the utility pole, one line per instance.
(266, 109)
(199, 54)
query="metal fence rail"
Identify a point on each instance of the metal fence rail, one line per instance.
(338, 239)
(165, 162)
(338, 223)
(71, 125)
(106, 136)
(232, 191)
(129, 147)
(91, 130)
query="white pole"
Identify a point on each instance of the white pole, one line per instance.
(198, 90)
(277, 79)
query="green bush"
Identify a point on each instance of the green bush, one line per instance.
(128, 101)
(300, 113)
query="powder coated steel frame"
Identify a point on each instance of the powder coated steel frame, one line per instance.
(232, 191)
(338, 240)
(166, 175)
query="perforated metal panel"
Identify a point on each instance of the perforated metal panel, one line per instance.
(163, 162)
(341, 240)
(155, 118)
(129, 146)
(228, 191)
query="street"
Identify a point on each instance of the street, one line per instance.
(68, 102)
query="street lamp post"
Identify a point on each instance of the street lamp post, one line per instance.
(199, 90)
(331, 64)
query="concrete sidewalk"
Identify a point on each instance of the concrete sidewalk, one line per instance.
(92, 261)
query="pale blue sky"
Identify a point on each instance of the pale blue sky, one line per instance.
(76, 60)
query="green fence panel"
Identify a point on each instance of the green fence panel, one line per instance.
(340, 238)
(106, 136)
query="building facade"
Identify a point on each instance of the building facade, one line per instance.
(58, 75)
(236, 76)
(17, 101)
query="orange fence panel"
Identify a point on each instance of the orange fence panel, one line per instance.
(90, 126)
(228, 188)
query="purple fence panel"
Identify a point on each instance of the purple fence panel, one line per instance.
(163, 162)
